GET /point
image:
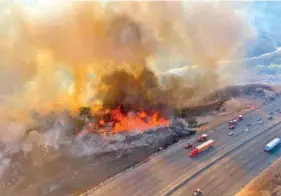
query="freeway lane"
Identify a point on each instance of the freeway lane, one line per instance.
(236, 170)
(163, 171)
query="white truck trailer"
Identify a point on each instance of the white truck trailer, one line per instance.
(273, 143)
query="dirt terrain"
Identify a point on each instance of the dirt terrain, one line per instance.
(231, 108)
(267, 184)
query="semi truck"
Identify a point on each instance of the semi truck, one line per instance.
(272, 144)
(201, 148)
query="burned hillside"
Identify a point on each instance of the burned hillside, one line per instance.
(253, 91)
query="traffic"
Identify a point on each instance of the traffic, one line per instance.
(206, 143)
(201, 165)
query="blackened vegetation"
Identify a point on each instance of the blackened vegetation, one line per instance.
(215, 100)
(192, 122)
(190, 112)
(85, 112)
(162, 137)
(249, 90)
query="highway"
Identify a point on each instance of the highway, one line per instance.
(235, 170)
(172, 172)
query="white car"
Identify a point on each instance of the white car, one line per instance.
(198, 192)
(247, 129)
(230, 134)
(260, 122)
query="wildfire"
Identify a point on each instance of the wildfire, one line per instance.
(116, 121)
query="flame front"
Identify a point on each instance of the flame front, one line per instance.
(116, 121)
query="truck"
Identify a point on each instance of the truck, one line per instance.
(202, 138)
(201, 148)
(272, 144)
(232, 122)
(231, 126)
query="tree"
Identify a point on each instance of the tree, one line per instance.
(85, 111)
(192, 122)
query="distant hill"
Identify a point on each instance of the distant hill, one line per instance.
(254, 91)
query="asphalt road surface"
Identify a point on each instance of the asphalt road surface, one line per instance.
(215, 171)
(236, 170)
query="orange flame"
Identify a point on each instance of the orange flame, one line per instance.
(120, 122)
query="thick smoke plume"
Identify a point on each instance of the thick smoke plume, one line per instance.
(89, 51)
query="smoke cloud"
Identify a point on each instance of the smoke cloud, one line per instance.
(90, 51)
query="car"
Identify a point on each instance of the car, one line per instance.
(277, 109)
(202, 138)
(259, 119)
(240, 117)
(231, 127)
(270, 113)
(270, 117)
(260, 122)
(188, 146)
(249, 124)
(246, 130)
(230, 134)
(197, 192)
